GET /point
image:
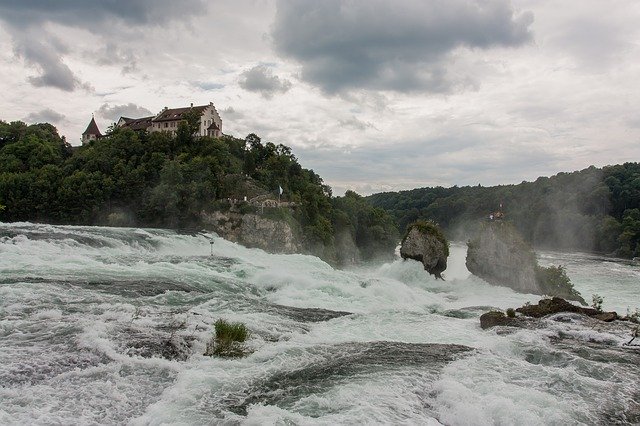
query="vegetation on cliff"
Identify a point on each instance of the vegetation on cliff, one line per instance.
(159, 180)
(591, 210)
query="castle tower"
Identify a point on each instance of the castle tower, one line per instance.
(92, 133)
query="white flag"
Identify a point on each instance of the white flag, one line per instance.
(280, 189)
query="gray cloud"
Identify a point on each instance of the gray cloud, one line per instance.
(464, 159)
(45, 116)
(25, 20)
(46, 56)
(260, 79)
(356, 123)
(400, 46)
(129, 110)
(231, 113)
(112, 54)
(91, 14)
(208, 85)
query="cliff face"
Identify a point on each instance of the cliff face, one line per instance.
(426, 245)
(251, 230)
(500, 256)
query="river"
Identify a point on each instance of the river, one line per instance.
(109, 326)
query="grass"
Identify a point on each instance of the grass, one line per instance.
(231, 332)
(228, 340)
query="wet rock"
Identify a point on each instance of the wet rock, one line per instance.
(499, 255)
(545, 307)
(498, 318)
(425, 243)
(607, 316)
(256, 231)
(558, 305)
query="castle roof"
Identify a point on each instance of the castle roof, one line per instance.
(137, 123)
(177, 113)
(92, 128)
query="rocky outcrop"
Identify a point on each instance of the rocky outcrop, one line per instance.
(499, 255)
(256, 231)
(545, 307)
(425, 243)
(555, 305)
(498, 318)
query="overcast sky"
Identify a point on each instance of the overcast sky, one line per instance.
(373, 95)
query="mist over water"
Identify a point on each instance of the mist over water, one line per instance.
(109, 326)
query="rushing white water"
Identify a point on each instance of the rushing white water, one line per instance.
(109, 326)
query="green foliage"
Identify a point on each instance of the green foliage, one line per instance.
(554, 281)
(596, 302)
(228, 340)
(232, 332)
(431, 228)
(511, 313)
(372, 230)
(583, 210)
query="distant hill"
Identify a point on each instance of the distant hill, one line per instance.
(595, 209)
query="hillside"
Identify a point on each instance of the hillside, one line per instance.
(595, 209)
(155, 180)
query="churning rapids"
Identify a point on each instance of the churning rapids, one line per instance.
(109, 326)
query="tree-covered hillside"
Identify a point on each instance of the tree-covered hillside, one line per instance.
(591, 210)
(154, 179)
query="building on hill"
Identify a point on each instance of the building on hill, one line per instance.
(92, 133)
(168, 120)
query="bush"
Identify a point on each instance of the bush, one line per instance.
(511, 313)
(554, 281)
(596, 302)
(229, 339)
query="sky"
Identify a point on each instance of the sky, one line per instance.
(373, 95)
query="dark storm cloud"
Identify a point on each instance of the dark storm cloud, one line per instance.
(45, 116)
(130, 110)
(260, 79)
(25, 19)
(401, 46)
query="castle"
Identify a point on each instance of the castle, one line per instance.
(166, 120)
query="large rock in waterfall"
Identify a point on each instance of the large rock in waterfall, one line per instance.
(499, 255)
(426, 243)
(256, 231)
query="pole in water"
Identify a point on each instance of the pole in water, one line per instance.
(211, 244)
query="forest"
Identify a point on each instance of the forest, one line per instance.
(159, 180)
(593, 210)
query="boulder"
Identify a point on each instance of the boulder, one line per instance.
(425, 243)
(498, 318)
(529, 314)
(557, 305)
(499, 255)
(254, 230)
